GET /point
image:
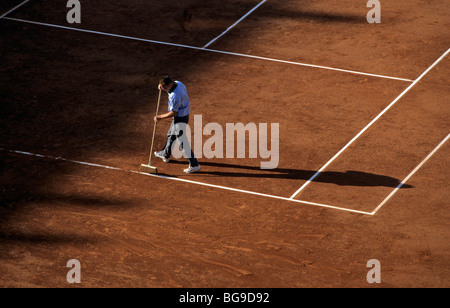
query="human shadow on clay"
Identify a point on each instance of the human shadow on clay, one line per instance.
(347, 178)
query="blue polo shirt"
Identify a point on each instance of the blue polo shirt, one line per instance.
(179, 100)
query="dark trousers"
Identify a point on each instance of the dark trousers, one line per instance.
(177, 131)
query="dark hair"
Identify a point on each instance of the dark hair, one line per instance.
(165, 80)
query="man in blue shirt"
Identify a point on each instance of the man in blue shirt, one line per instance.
(179, 109)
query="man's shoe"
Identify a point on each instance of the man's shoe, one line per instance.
(192, 169)
(159, 155)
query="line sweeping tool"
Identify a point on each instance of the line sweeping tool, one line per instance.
(149, 168)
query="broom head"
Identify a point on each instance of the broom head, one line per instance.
(148, 169)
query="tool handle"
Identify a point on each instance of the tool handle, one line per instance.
(154, 129)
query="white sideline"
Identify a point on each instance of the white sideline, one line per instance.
(410, 175)
(186, 181)
(209, 50)
(13, 9)
(234, 25)
(369, 125)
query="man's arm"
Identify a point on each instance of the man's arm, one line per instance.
(170, 114)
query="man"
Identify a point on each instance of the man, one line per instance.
(179, 109)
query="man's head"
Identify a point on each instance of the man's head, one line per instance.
(166, 83)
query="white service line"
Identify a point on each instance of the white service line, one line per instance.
(186, 181)
(369, 125)
(308, 65)
(13, 9)
(234, 25)
(210, 50)
(410, 175)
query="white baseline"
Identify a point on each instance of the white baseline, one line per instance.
(58, 158)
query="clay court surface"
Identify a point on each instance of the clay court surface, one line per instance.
(76, 123)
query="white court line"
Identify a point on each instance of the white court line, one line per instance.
(210, 50)
(368, 125)
(13, 9)
(411, 174)
(187, 181)
(235, 24)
